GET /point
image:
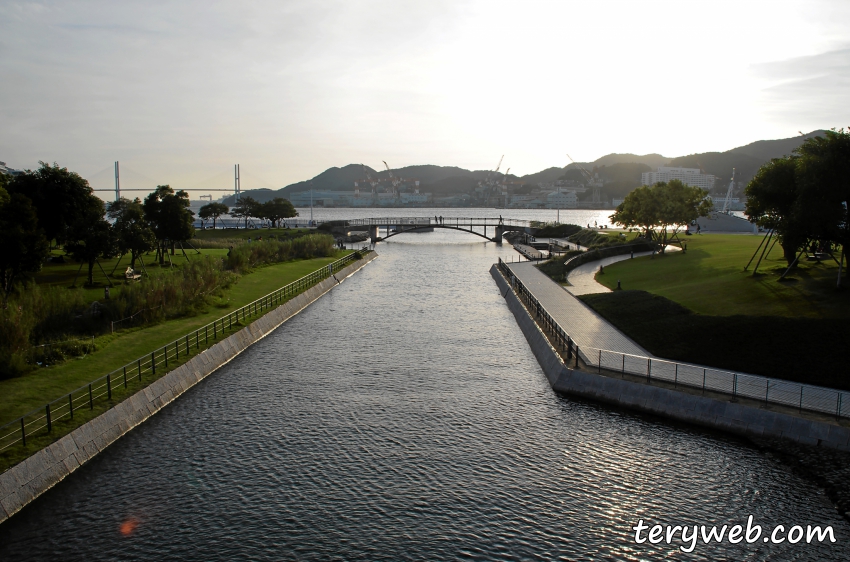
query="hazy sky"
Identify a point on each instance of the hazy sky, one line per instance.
(181, 91)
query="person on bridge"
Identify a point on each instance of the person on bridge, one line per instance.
(500, 219)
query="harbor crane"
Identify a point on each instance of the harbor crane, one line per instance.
(593, 182)
(395, 180)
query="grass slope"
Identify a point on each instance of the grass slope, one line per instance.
(809, 350)
(710, 279)
(23, 394)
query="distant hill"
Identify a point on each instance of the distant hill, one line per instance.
(767, 149)
(619, 172)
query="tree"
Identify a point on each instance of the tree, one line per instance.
(772, 199)
(24, 246)
(60, 197)
(91, 237)
(662, 206)
(169, 215)
(277, 209)
(823, 173)
(246, 207)
(213, 211)
(133, 233)
(805, 196)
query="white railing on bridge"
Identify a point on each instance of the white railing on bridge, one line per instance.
(438, 221)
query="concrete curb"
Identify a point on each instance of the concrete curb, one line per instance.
(700, 410)
(32, 477)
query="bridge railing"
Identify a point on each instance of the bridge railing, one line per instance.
(444, 221)
(764, 389)
(138, 373)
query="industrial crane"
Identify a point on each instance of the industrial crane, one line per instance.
(590, 179)
(395, 180)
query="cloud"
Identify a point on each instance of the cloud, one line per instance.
(814, 89)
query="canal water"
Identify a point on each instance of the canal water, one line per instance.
(403, 416)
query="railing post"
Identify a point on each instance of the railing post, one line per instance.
(153, 363)
(49, 426)
(676, 379)
(139, 365)
(71, 406)
(215, 330)
(576, 365)
(766, 391)
(23, 433)
(125, 376)
(838, 408)
(735, 384)
(108, 388)
(197, 340)
(176, 350)
(599, 363)
(187, 345)
(165, 354)
(624, 363)
(801, 397)
(648, 368)
(91, 399)
(703, 381)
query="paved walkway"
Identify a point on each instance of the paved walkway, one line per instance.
(581, 322)
(582, 281)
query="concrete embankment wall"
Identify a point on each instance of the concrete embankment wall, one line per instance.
(700, 410)
(29, 479)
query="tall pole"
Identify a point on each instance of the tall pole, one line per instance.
(237, 188)
(311, 205)
(117, 182)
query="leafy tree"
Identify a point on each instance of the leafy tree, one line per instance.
(772, 199)
(823, 170)
(24, 245)
(91, 237)
(662, 206)
(805, 195)
(133, 233)
(60, 197)
(246, 207)
(213, 211)
(169, 215)
(277, 209)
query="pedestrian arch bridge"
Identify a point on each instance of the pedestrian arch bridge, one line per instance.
(473, 225)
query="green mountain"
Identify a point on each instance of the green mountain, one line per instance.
(620, 173)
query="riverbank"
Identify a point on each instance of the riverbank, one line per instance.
(820, 447)
(32, 477)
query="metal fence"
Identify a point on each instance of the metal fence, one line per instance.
(446, 221)
(774, 391)
(145, 368)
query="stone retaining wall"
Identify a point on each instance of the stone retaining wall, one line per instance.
(701, 410)
(32, 477)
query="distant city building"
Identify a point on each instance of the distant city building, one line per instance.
(562, 200)
(688, 176)
(331, 198)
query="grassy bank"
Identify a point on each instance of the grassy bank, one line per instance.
(701, 307)
(710, 279)
(807, 350)
(22, 394)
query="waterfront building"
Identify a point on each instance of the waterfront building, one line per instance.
(688, 176)
(562, 200)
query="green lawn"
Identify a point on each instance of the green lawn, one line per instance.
(23, 394)
(701, 307)
(710, 279)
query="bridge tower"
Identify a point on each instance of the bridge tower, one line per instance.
(500, 230)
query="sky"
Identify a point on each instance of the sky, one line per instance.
(179, 92)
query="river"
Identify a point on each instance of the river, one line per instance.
(403, 416)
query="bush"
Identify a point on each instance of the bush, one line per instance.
(555, 230)
(247, 256)
(39, 315)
